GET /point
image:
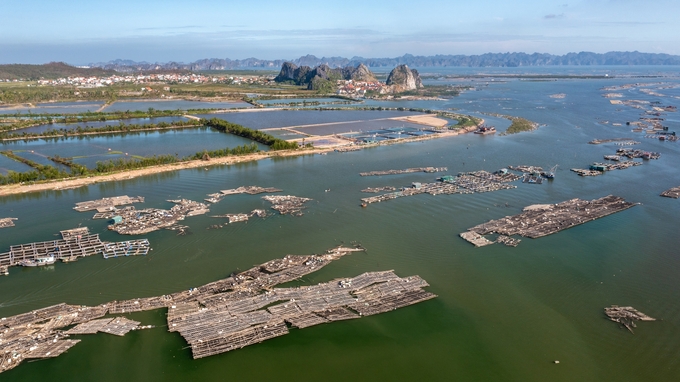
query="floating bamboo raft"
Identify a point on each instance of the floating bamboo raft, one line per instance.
(221, 316)
(138, 222)
(234, 218)
(463, 183)
(287, 204)
(7, 222)
(405, 171)
(672, 193)
(252, 190)
(626, 316)
(107, 203)
(539, 221)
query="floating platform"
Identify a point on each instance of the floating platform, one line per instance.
(252, 190)
(130, 221)
(76, 243)
(126, 248)
(463, 183)
(287, 204)
(672, 193)
(107, 203)
(626, 316)
(224, 315)
(539, 222)
(405, 171)
(7, 222)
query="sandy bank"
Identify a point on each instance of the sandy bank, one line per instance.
(63, 184)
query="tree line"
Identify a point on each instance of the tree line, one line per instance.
(46, 172)
(255, 135)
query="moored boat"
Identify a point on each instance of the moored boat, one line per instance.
(484, 130)
(39, 261)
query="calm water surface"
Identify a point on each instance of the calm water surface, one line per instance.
(502, 313)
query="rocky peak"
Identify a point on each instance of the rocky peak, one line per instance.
(404, 79)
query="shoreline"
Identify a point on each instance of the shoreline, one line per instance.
(70, 183)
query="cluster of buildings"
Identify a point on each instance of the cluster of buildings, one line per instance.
(172, 78)
(353, 88)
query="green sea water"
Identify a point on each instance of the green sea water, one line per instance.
(502, 313)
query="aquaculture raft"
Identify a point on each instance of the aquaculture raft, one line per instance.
(405, 171)
(672, 193)
(626, 316)
(7, 222)
(546, 219)
(75, 243)
(107, 203)
(224, 315)
(463, 183)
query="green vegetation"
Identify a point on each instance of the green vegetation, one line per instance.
(21, 93)
(466, 121)
(88, 130)
(520, 124)
(43, 172)
(52, 70)
(255, 135)
(238, 150)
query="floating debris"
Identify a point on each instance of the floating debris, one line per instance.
(224, 315)
(7, 222)
(672, 193)
(542, 220)
(107, 204)
(405, 171)
(626, 316)
(287, 204)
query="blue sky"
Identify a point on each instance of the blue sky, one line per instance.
(80, 32)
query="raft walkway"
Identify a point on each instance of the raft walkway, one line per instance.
(74, 244)
(672, 193)
(405, 171)
(7, 222)
(543, 220)
(463, 183)
(241, 310)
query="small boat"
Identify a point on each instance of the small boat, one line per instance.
(484, 130)
(39, 261)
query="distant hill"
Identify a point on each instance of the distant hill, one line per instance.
(49, 71)
(482, 60)
(322, 76)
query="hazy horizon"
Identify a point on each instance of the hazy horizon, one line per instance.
(161, 31)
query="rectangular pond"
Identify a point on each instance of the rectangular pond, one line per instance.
(134, 105)
(56, 108)
(87, 150)
(290, 118)
(98, 124)
(358, 127)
